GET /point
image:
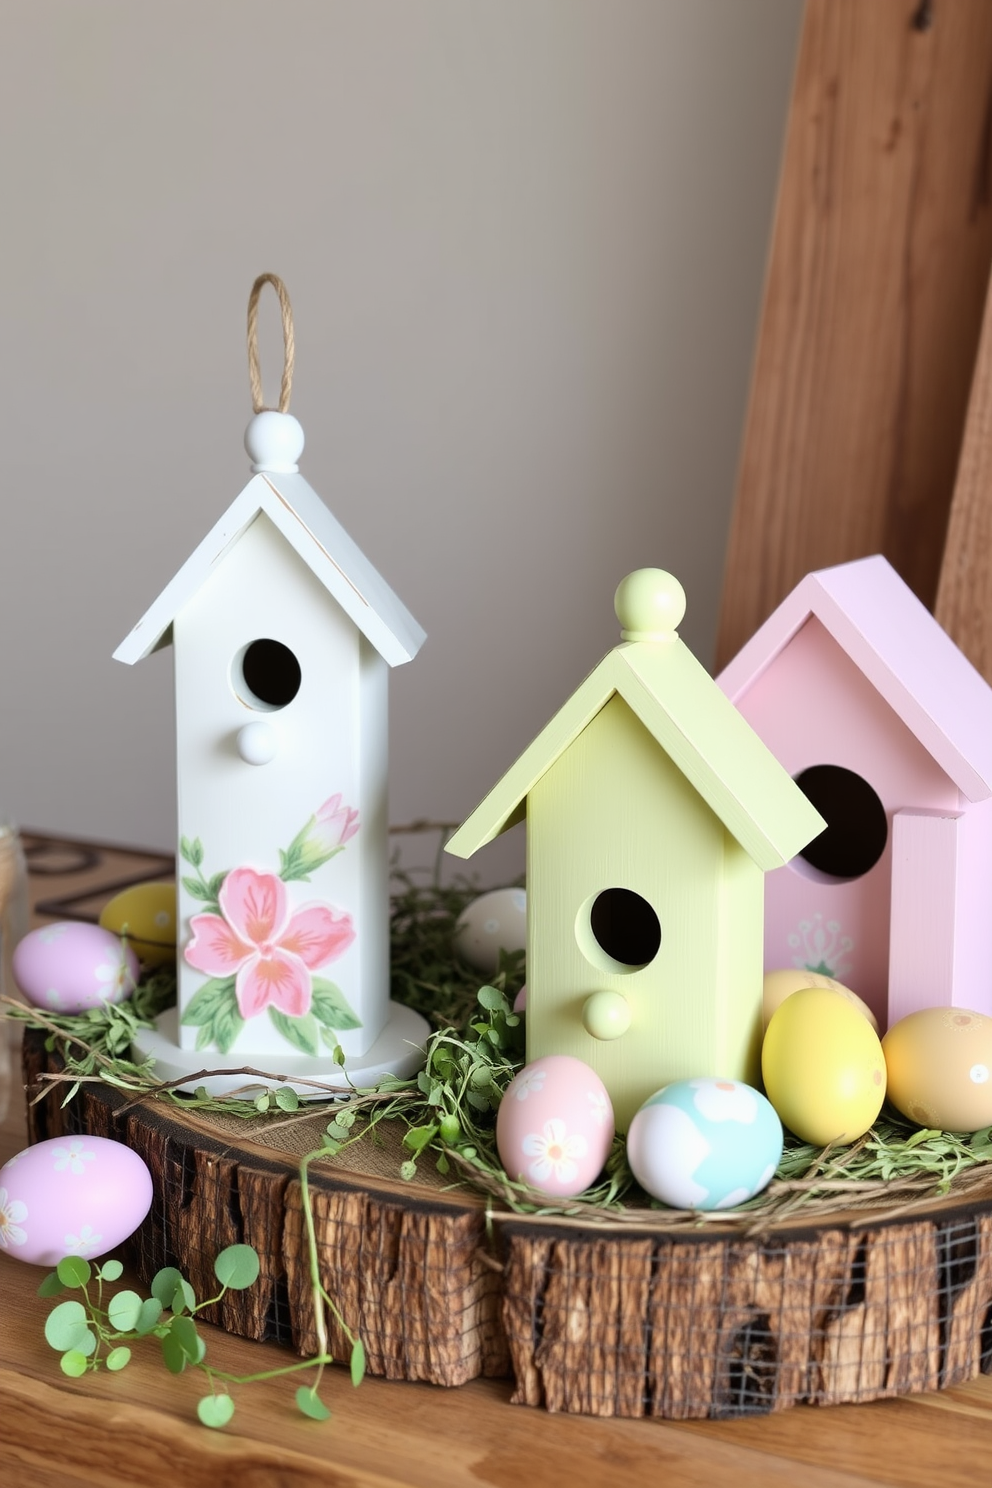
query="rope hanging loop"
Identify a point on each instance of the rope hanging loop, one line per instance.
(288, 341)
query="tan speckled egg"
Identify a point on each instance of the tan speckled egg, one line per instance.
(939, 1064)
(779, 985)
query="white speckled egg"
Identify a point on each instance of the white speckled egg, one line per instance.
(71, 1196)
(555, 1126)
(71, 967)
(494, 922)
(704, 1144)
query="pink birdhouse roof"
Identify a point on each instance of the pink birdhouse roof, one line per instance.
(900, 649)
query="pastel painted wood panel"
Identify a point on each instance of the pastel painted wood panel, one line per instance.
(814, 706)
(329, 745)
(613, 811)
(926, 878)
(941, 938)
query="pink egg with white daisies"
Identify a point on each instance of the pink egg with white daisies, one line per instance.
(555, 1126)
(72, 966)
(71, 1196)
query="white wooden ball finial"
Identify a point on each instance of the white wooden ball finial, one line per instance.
(257, 743)
(274, 441)
(649, 604)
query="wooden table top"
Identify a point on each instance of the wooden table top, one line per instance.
(139, 1427)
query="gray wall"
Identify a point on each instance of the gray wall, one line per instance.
(525, 242)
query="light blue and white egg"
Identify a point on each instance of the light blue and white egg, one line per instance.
(705, 1144)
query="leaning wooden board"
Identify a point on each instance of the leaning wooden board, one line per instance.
(684, 1325)
(876, 282)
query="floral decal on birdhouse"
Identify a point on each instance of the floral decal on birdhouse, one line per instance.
(821, 947)
(259, 955)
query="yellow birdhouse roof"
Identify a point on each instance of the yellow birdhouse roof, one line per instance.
(677, 700)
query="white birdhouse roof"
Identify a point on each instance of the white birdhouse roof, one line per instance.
(900, 649)
(304, 521)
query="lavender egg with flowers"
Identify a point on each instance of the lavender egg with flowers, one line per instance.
(705, 1144)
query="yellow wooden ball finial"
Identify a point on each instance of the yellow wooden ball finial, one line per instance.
(649, 604)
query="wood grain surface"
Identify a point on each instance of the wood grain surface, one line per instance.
(873, 302)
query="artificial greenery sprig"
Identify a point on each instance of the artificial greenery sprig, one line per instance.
(91, 1334)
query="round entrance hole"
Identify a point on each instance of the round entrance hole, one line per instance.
(857, 829)
(267, 675)
(625, 927)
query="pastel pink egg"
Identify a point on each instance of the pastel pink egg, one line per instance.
(72, 966)
(71, 1196)
(554, 1127)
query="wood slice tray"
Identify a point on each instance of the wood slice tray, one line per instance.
(637, 1322)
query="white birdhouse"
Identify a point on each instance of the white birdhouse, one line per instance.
(283, 635)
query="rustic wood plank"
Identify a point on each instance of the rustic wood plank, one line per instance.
(873, 303)
(964, 594)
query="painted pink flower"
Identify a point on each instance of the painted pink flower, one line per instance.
(269, 952)
(323, 837)
(336, 824)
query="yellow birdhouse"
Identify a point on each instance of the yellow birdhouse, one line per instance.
(653, 812)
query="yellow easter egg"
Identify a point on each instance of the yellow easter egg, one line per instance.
(823, 1067)
(939, 1064)
(146, 914)
(779, 985)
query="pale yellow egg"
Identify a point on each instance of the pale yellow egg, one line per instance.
(146, 914)
(779, 985)
(823, 1067)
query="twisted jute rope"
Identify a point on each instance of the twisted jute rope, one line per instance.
(288, 341)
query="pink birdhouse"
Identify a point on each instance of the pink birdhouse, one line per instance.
(887, 727)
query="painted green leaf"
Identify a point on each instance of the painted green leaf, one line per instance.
(118, 1358)
(203, 1006)
(110, 1271)
(73, 1270)
(310, 1403)
(51, 1286)
(123, 1311)
(287, 1099)
(191, 852)
(215, 1410)
(214, 1010)
(237, 1267)
(73, 1363)
(197, 889)
(300, 1032)
(331, 1007)
(66, 1326)
(357, 1362)
(227, 1024)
